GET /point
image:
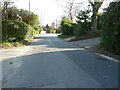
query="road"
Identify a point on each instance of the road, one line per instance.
(54, 63)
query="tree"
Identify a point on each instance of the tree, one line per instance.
(13, 13)
(31, 18)
(83, 16)
(47, 28)
(83, 23)
(6, 4)
(110, 40)
(71, 9)
(95, 7)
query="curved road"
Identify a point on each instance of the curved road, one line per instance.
(54, 63)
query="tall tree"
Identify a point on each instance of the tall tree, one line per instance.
(13, 13)
(6, 4)
(95, 6)
(31, 18)
(71, 9)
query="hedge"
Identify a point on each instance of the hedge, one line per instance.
(67, 27)
(81, 29)
(15, 30)
(111, 29)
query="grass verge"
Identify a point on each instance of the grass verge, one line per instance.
(64, 36)
(9, 45)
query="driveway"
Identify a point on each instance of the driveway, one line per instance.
(54, 63)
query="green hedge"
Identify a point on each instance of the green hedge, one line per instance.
(81, 29)
(67, 27)
(15, 30)
(36, 29)
(111, 29)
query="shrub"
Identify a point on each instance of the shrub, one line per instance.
(58, 30)
(6, 44)
(36, 29)
(52, 31)
(67, 27)
(81, 29)
(111, 29)
(15, 30)
(62, 36)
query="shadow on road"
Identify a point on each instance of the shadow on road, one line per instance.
(53, 60)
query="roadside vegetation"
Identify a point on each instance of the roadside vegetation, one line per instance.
(110, 40)
(51, 29)
(107, 27)
(18, 26)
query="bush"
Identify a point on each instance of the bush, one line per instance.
(6, 44)
(13, 30)
(52, 31)
(111, 29)
(62, 36)
(36, 30)
(58, 30)
(81, 29)
(67, 27)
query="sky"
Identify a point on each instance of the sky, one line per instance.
(48, 10)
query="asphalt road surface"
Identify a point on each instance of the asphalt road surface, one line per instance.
(55, 63)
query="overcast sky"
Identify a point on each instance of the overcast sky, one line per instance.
(47, 10)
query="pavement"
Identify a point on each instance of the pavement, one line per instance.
(88, 43)
(50, 62)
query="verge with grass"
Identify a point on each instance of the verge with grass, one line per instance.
(64, 36)
(9, 45)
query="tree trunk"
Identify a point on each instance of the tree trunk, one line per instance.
(94, 22)
(95, 6)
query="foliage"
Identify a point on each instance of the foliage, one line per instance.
(6, 4)
(111, 29)
(28, 17)
(83, 16)
(23, 15)
(6, 44)
(63, 36)
(95, 7)
(58, 30)
(99, 22)
(67, 27)
(15, 30)
(36, 29)
(52, 31)
(83, 25)
(81, 29)
(47, 28)
(12, 13)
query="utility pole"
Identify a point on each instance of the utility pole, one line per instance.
(0, 29)
(29, 12)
